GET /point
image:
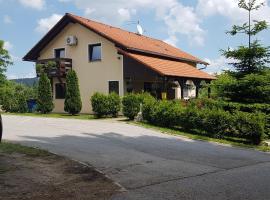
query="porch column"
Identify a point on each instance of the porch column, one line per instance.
(198, 87)
(182, 83)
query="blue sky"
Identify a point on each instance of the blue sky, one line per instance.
(195, 26)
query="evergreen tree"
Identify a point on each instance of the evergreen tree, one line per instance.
(45, 99)
(73, 103)
(5, 60)
(254, 57)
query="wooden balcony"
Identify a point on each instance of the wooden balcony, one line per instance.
(54, 67)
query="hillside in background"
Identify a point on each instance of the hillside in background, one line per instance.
(26, 81)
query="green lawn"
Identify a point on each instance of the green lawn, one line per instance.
(55, 115)
(9, 148)
(229, 141)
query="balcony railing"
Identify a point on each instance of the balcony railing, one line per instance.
(54, 67)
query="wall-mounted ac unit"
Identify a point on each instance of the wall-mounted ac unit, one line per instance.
(71, 40)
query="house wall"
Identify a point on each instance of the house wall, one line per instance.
(93, 76)
(138, 74)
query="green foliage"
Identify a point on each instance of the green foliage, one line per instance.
(13, 96)
(131, 105)
(114, 104)
(22, 104)
(104, 105)
(251, 88)
(248, 60)
(73, 103)
(5, 61)
(99, 104)
(206, 117)
(148, 102)
(45, 98)
(254, 57)
(50, 65)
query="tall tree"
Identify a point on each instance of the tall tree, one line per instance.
(45, 99)
(5, 60)
(254, 57)
(73, 103)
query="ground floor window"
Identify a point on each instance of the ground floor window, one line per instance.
(60, 90)
(114, 87)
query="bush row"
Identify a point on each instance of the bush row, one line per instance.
(234, 107)
(213, 122)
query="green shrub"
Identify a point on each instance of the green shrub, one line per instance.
(166, 113)
(249, 126)
(73, 103)
(131, 105)
(114, 104)
(100, 104)
(22, 104)
(216, 122)
(149, 104)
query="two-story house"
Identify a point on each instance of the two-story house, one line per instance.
(109, 59)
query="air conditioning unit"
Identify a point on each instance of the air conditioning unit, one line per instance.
(71, 40)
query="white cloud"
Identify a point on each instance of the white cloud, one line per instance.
(35, 4)
(45, 24)
(218, 65)
(124, 13)
(230, 10)
(183, 20)
(178, 18)
(7, 19)
(7, 45)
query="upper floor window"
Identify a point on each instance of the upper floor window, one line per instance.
(60, 53)
(94, 52)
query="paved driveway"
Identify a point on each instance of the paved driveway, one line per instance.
(149, 164)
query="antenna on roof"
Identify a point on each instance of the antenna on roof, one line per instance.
(139, 29)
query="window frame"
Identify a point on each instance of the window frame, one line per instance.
(60, 48)
(88, 52)
(118, 86)
(55, 91)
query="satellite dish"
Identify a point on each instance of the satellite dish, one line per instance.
(139, 29)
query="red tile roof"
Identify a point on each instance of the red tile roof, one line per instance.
(135, 41)
(169, 67)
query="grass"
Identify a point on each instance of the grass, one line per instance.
(10, 148)
(55, 115)
(228, 141)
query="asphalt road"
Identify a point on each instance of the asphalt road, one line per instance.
(149, 164)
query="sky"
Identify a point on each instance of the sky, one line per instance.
(195, 26)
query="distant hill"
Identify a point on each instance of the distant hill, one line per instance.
(26, 81)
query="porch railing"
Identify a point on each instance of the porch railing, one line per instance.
(54, 67)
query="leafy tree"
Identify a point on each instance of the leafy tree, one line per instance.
(45, 99)
(5, 61)
(254, 57)
(73, 103)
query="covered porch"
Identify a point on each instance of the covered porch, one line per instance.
(163, 78)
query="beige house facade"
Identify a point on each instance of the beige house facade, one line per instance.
(105, 61)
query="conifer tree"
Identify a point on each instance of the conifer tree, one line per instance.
(73, 103)
(45, 99)
(253, 57)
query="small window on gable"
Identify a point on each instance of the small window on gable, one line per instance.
(114, 87)
(59, 53)
(94, 52)
(60, 90)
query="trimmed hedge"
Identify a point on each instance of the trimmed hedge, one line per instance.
(104, 105)
(213, 122)
(131, 105)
